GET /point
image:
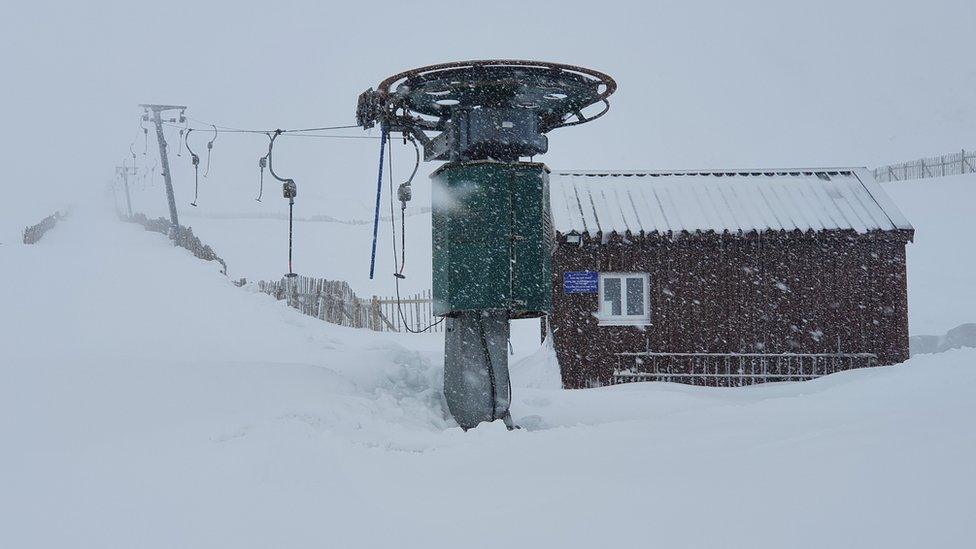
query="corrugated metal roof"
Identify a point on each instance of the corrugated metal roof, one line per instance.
(739, 200)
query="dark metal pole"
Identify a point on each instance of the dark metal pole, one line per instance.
(291, 207)
(158, 121)
(379, 190)
(125, 183)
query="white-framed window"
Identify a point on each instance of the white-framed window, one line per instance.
(624, 299)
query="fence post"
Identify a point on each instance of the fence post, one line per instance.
(418, 323)
(374, 315)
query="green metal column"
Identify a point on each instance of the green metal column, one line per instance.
(492, 233)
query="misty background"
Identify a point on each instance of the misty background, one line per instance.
(701, 85)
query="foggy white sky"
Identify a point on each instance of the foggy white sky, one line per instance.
(701, 84)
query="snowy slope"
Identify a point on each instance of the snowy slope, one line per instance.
(147, 402)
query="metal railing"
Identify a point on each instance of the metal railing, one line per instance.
(734, 369)
(934, 166)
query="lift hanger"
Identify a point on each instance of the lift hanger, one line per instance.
(263, 163)
(210, 150)
(145, 133)
(289, 191)
(195, 160)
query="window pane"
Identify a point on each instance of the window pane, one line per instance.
(611, 296)
(635, 296)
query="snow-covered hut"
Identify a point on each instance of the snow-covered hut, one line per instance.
(725, 277)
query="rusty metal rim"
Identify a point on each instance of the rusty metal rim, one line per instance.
(610, 83)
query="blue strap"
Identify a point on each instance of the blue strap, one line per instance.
(379, 189)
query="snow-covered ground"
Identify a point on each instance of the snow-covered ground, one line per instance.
(147, 402)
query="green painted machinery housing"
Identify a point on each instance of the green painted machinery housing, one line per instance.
(492, 238)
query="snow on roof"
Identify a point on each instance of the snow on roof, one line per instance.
(739, 200)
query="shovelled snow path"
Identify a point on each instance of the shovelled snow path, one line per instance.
(147, 402)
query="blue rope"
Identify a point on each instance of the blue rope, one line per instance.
(376, 215)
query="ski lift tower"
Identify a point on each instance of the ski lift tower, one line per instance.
(492, 230)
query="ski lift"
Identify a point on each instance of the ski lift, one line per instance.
(195, 160)
(289, 190)
(404, 195)
(210, 150)
(487, 116)
(145, 132)
(262, 164)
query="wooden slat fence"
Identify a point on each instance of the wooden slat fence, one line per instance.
(417, 309)
(334, 301)
(329, 300)
(935, 166)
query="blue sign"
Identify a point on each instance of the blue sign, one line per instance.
(581, 282)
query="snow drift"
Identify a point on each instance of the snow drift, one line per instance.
(148, 402)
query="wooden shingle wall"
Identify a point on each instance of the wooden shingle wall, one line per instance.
(771, 292)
